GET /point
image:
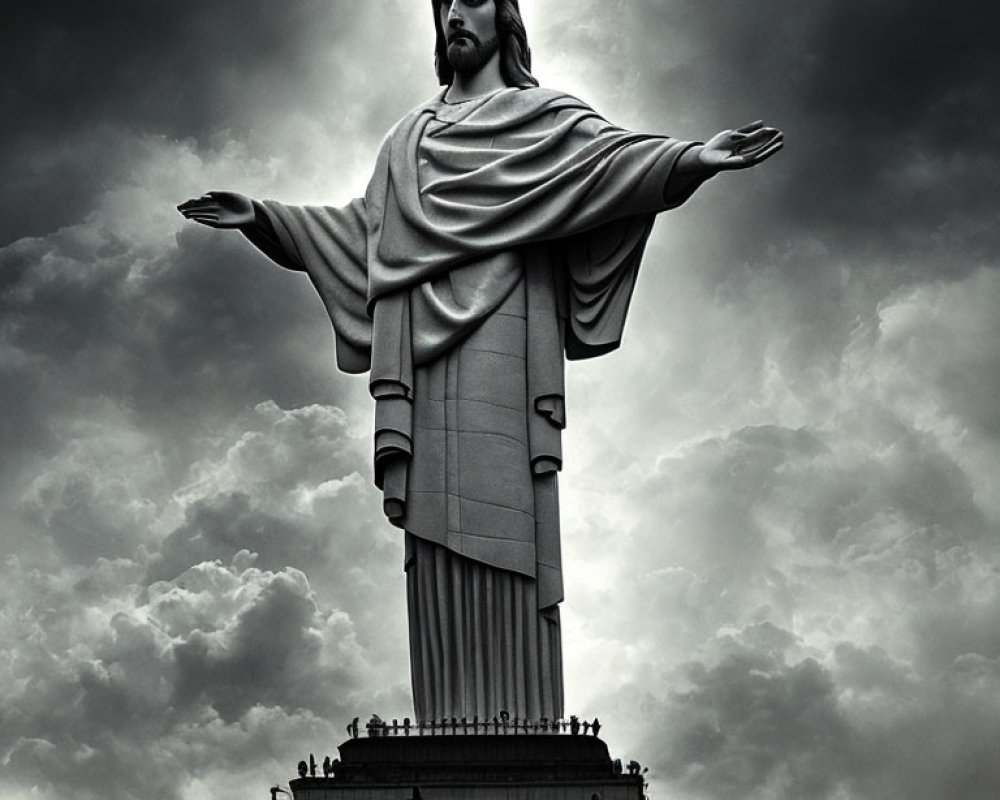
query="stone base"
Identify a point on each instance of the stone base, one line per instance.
(473, 767)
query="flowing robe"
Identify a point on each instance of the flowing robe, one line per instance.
(496, 237)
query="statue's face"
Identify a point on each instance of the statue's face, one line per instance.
(470, 26)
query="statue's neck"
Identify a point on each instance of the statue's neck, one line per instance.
(486, 80)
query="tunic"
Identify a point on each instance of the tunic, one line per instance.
(496, 237)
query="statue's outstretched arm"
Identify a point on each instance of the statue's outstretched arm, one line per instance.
(220, 210)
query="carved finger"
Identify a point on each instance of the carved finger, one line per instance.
(747, 147)
(187, 204)
(777, 137)
(753, 126)
(760, 147)
(206, 219)
(204, 208)
(758, 141)
(763, 135)
(767, 152)
(198, 202)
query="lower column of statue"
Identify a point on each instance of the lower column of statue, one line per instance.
(479, 644)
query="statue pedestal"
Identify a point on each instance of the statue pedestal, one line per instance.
(473, 767)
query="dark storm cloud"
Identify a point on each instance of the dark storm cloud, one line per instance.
(289, 490)
(174, 336)
(755, 723)
(84, 74)
(874, 535)
(219, 527)
(270, 655)
(742, 530)
(784, 512)
(754, 726)
(104, 307)
(946, 335)
(115, 687)
(902, 145)
(891, 138)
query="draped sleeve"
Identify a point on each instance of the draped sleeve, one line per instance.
(331, 246)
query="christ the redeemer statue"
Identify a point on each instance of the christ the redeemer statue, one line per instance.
(501, 233)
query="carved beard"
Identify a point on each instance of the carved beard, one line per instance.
(467, 54)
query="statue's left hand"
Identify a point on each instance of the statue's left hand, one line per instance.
(741, 148)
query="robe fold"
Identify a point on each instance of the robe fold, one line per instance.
(497, 237)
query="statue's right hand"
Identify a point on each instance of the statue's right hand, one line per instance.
(219, 210)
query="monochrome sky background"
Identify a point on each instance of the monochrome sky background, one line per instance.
(781, 503)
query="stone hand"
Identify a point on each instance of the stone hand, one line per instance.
(742, 148)
(219, 210)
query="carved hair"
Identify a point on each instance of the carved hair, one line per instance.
(515, 55)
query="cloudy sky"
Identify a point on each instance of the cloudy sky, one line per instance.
(782, 496)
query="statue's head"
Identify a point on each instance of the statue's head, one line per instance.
(510, 39)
